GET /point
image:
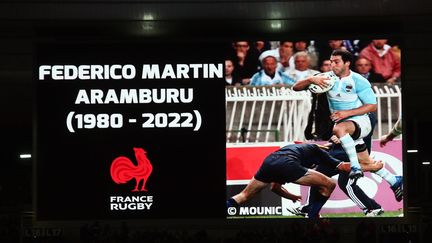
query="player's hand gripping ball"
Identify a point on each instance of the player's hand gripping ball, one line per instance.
(330, 83)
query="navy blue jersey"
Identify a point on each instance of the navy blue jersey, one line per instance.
(308, 155)
(290, 163)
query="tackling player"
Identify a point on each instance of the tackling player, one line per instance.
(292, 163)
(349, 186)
(396, 131)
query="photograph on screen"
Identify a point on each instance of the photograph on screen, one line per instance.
(313, 128)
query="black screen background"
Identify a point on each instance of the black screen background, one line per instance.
(72, 169)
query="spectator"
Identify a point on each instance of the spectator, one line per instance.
(301, 67)
(270, 75)
(303, 45)
(396, 50)
(355, 46)
(320, 125)
(284, 55)
(364, 67)
(383, 60)
(326, 49)
(230, 77)
(245, 61)
(301, 71)
(300, 45)
(262, 46)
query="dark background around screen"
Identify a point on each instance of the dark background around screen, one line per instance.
(26, 23)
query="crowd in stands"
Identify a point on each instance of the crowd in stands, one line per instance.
(296, 232)
(248, 63)
(291, 232)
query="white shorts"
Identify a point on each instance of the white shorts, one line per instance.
(365, 127)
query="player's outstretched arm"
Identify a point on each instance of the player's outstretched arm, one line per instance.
(386, 138)
(372, 167)
(281, 191)
(304, 83)
(396, 131)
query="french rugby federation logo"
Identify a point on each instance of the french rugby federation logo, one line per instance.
(124, 170)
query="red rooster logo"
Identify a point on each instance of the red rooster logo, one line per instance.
(123, 169)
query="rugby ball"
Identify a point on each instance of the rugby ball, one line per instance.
(331, 81)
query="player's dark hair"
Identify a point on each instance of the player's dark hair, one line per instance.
(346, 55)
(283, 41)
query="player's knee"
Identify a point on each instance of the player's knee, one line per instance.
(339, 131)
(332, 186)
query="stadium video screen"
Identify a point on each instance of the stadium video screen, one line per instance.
(172, 130)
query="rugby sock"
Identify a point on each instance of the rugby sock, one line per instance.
(348, 145)
(232, 203)
(316, 206)
(387, 175)
(314, 195)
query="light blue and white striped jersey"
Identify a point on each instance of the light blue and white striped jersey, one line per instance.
(351, 92)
